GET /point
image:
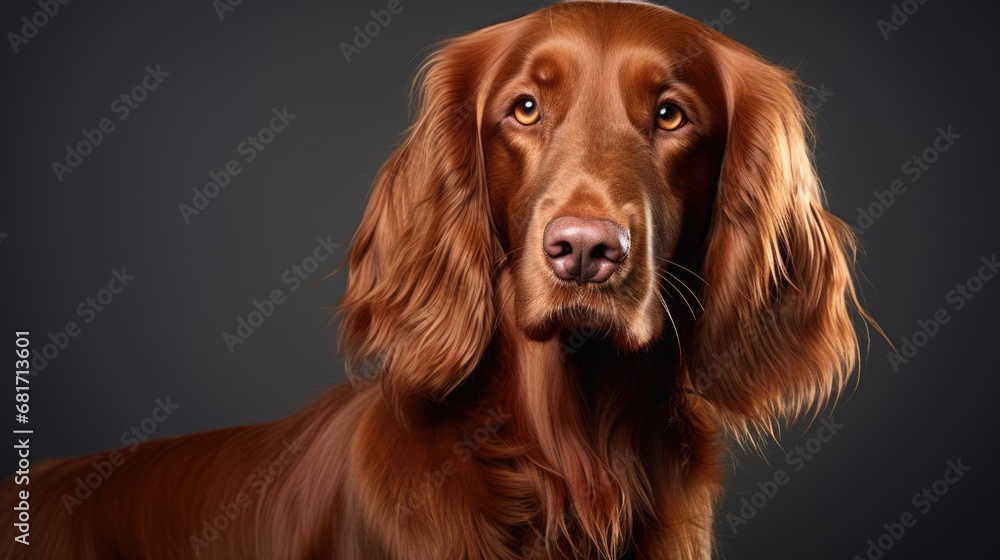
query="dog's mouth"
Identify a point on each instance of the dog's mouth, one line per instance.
(588, 316)
(577, 316)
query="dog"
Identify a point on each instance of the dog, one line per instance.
(600, 254)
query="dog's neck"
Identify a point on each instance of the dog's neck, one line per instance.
(588, 416)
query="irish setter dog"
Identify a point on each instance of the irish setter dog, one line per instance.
(600, 254)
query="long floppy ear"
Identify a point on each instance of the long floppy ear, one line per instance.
(776, 338)
(419, 301)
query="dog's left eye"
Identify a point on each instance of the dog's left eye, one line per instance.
(669, 117)
(526, 111)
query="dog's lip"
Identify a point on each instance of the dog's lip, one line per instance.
(580, 315)
(580, 311)
(590, 321)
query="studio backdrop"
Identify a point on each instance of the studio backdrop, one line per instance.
(181, 181)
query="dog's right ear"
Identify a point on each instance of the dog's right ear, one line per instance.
(419, 301)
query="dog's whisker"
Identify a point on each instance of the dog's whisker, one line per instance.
(679, 293)
(684, 268)
(670, 316)
(670, 284)
(688, 288)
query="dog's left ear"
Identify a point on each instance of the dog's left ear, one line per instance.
(419, 306)
(777, 337)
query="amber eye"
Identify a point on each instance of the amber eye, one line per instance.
(526, 111)
(669, 117)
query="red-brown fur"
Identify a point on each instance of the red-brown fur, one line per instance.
(493, 426)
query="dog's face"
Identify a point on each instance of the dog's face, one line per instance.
(581, 157)
(603, 138)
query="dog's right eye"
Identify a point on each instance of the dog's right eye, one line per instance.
(526, 111)
(669, 117)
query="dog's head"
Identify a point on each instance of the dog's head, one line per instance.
(603, 134)
(625, 165)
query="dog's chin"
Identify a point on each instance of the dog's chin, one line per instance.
(584, 323)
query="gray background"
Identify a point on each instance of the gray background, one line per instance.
(162, 336)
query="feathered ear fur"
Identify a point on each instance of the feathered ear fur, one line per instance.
(419, 301)
(777, 337)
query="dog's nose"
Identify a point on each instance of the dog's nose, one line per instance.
(584, 249)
